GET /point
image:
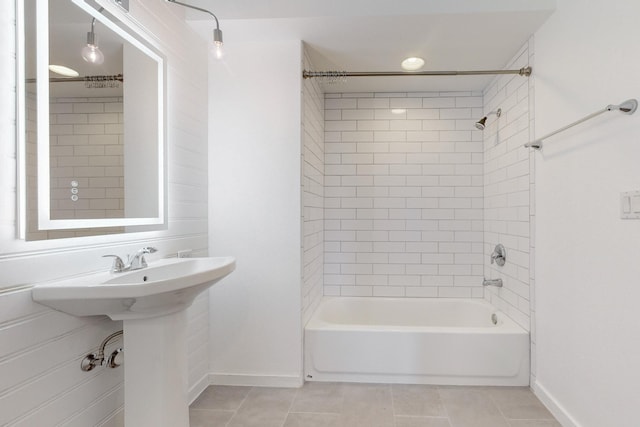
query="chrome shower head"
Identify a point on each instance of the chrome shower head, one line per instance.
(481, 124)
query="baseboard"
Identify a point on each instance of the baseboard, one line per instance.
(198, 388)
(558, 411)
(256, 380)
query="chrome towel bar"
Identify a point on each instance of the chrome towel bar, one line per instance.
(627, 107)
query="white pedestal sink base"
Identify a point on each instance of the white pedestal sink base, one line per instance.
(156, 372)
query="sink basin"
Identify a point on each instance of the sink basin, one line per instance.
(165, 286)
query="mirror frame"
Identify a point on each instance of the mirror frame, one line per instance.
(138, 37)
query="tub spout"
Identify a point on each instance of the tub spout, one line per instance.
(492, 282)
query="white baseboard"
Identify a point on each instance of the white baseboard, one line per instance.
(256, 380)
(558, 411)
(198, 388)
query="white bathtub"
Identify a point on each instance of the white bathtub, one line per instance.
(415, 341)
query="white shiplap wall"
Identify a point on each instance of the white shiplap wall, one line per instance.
(41, 349)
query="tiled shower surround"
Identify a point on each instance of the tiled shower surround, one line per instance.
(403, 194)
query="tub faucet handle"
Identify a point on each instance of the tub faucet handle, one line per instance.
(499, 255)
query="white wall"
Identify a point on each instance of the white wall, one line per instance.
(255, 193)
(312, 193)
(41, 349)
(587, 258)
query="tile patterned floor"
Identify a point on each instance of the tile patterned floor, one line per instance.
(369, 405)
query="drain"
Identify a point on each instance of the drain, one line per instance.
(494, 319)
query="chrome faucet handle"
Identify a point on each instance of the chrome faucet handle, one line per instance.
(118, 265)
(137, 260)
(499, 255)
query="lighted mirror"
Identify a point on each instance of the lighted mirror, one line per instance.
(92, 155)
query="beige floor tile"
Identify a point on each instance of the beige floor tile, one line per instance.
(319, 404)
(264, 407)
(519, 403)
(406, 421)
(367, 405)
(319, 397)
(471, 407)
(417, 400)
(534, 423)
(222, 398)
(209, 418)
(312, 420)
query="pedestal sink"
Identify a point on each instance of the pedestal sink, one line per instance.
(151, 302)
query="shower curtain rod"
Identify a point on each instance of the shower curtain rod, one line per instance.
(627, 107)
(113, 78)
(525, 71)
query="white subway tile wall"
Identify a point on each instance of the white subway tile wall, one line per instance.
(87, 147)
(403, 195)
(312, 193)
(508, 188)
(92, 157)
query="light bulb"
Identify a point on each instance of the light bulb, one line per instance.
(412, 64)
(92, 54)
(63, 71)
(217, 50)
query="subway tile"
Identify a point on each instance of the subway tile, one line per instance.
(373, 125)
(372, 280)
(373, 103)
(405, 103)
(423, 136)
(455, 113)
(389, 246)
(356, 291)
(372, 147)
(409, 213)
(388, 291)
(405, 125)
(333, 104)
(421, 292)
(390, 136)
(359, 114)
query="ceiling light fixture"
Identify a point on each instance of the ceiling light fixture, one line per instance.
(63, 71)
(412, 63)
(217, 32)
(91, 51)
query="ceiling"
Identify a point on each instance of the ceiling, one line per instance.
(375, 35)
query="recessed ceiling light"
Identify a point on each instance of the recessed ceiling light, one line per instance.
(412, 63)
(398, 110)
(63, 71)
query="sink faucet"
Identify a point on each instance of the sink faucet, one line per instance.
(137, 261)
(134, 262)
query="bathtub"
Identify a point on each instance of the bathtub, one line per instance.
(415, 341)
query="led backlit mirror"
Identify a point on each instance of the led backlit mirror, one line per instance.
(92, 155)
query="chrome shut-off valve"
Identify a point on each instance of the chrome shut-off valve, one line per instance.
(499, 255)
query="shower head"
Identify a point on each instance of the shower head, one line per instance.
(481, 124)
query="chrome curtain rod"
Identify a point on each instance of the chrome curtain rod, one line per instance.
(113, 78)
(525, 71)
(627, 107)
